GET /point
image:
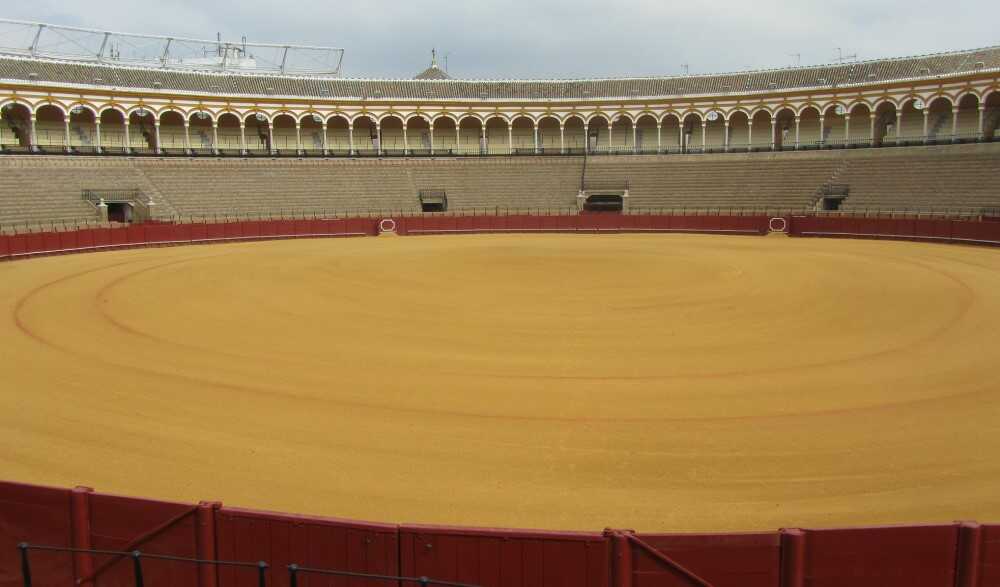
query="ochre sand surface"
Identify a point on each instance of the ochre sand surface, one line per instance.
(570, 382)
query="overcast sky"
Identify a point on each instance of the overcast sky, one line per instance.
(555, 38)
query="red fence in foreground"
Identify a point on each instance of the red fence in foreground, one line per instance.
(947, 555)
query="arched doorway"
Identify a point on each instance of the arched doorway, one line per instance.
(445, 135)
(693, 134)
(418, 133)
(497, 136)
(859, 130)
(51, 130)
(938, 120)
(15, 127)
(670, 133)
(365, 137)
(739, 131)
(142, 131)
(311, 134)
(392, 140)
(550, 135)
(112, 131)
(598, 129)
(574, 136)
(523, 135)
(172, 133)
(338, 135)
(82, 130)
(991, 116)
(885, 126)
(967, 121)
(201, 133)
(230, 140)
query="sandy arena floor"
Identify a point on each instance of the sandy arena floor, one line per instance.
(653, 382)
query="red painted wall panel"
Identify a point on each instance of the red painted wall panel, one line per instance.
(117, 522)
(505, 558)
(914, 556)
(38, 515)
(68, 240)
(233, 229)
(724, 560)
(4, 246)
(989, 569)
(325, 543)
(51, 241)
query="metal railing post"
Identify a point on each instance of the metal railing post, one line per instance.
(261, 574)
(137, 567)
(293, 575)
(424, 581)
(25, 564)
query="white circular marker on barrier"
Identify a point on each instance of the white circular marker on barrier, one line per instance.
(387, 225)
(774, 227)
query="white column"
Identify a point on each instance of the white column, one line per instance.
(215, 137)
(156, 128)
(350, 135)
(927, 115)
(725, 144)
(954, 123)
(270, 137)
(97, 135)
(326, 143)
(562, 134)
(432, 136)
(899, 125)
(774, 133)
(798, 123)
(378, 137)
(458, 136)
(406, 141)
(586, 137)
(822, 128)
(871, 132)
(187, 136)
(982, 111)
(704, 135)
(535, 130)
(68, 147)
(243, 138)
(659, 137)
(483, 145)
(298, 137)
(510, 138)
(33, 136)
(610, 134)
(847, 128)
(128, 136)
(749, 134)
(634, 147)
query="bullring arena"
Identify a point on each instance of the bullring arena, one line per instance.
(510, 380)
(715, 331)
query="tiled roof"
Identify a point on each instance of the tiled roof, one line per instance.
(245, 84)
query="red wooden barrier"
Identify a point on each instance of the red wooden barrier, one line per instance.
(125, 523)
(281, 539)
(4, 246)
(722, 560)
(905, 556)
(40, 515)
(989, 556)
(508, 558)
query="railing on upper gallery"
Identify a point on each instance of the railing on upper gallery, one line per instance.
(290, 149)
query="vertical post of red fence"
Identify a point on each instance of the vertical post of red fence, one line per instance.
(970, 541)
(793, 558)
(621, 551)
(207, 574)
(83, 563)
